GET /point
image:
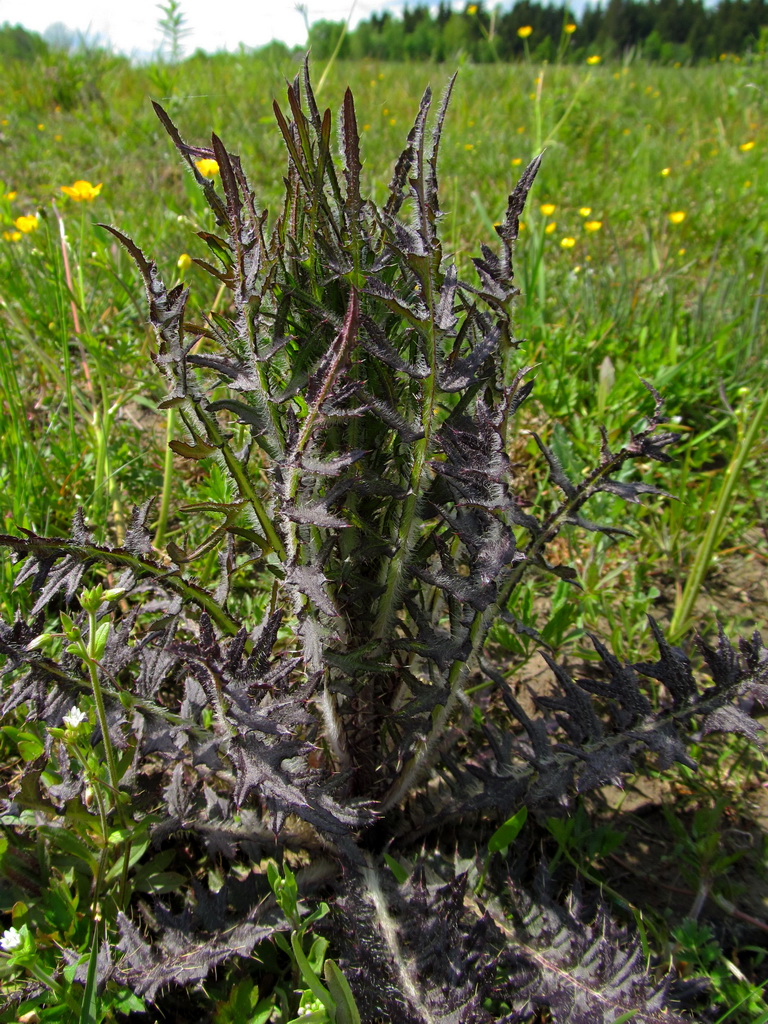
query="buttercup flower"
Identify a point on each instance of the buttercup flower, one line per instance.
(567, 243)
(524, 31)
(82, 191)
(595, 58)
(664, 172)
(26, 223)
(677, 217)
(746, 146)
(472, 9)
(584, 211)
(547, 209)
(516, 161)
(11, 940)
(10, 196)
(550, 228)
(12, 236)
(207, 167)
(592, 225)
(184, 262)
(569, 29)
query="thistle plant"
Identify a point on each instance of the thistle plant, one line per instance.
(362, 401)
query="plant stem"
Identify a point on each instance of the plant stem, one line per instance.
(101, 713)
(684, 607)
(165, 500)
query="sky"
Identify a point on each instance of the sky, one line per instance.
(131, 25)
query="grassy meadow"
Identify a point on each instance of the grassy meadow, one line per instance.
(643, 255)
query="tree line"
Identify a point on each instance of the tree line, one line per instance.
(662, 30)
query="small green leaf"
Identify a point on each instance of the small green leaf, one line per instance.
(200, 449)
(163, 881)
(311, 980)
(89, 1010)
(29, 746)
(100, 640)
(507, 833)
(397, 869)
(346, 1008)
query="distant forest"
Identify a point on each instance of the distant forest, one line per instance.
(669, 31)
(661, 30)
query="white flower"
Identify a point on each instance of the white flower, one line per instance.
(11, 940)
(74, 718)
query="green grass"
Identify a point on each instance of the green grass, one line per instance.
(680, 304)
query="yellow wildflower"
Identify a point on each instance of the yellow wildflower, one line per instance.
(82, 191)
(516, 161)
(207, 167)
(12, 236)
(41, 127)
(547, 209)
(677, 217)
(26, 223)
(567, 243)
(524, 31)
(681, 252)
(595, 58)
(584, 211)
(472, 9)
(10, 196)
(746, 146)
(5, 122)
(393, 121)
(550, 228)
(366, 127)
(569, 29)
(592, 225)
(468, 146)
(664, 172)
(184, 262)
